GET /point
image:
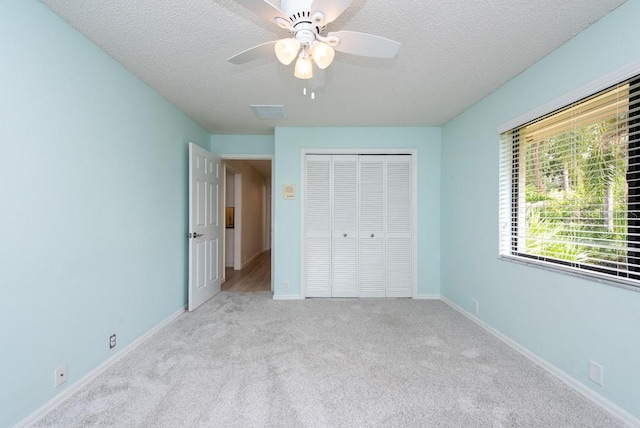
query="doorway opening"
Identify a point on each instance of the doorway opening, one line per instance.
(248, 220)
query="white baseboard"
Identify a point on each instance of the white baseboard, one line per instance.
(629, 420)
(246, 262)
(427, 297)
(287, 297)
(64, 395)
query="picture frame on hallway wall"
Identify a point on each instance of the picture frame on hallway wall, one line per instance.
(229, 217)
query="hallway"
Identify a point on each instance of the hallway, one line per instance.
(255, 277)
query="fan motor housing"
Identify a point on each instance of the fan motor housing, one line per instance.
(305, 35)
(299, 12)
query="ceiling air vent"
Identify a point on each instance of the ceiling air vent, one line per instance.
(269, 112)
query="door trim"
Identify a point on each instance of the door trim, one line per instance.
(414, 200)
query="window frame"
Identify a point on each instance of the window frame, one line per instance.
(508, 218)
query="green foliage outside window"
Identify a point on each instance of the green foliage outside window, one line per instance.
(576, 193)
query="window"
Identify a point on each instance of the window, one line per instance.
(570, 187)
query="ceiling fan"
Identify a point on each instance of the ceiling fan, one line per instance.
(306, 21)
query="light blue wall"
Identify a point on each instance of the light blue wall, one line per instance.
(563, 319)
(288, 145)
(93, 199)
(93, 168)
(242, 144)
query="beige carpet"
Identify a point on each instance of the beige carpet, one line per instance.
(244, 360)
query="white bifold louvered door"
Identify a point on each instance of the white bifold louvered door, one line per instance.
(371, 257)
(345, 226)
(317, 226)
(399, 227)
(358, 226)
(385, 250)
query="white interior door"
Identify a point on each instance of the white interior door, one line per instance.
(205, 226)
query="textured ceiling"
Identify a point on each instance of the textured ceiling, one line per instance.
(454, 52)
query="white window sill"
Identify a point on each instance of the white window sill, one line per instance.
(627, 284)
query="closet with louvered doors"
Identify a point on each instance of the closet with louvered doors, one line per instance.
(358, 223)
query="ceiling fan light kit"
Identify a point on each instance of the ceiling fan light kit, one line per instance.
(304, 68)
(306, 20)
(287, 50)
(322, 54)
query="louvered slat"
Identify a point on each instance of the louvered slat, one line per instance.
(399, 226)
(371, 194)
(318, 195)
(318, 226)
(345, 226)
(318, 267)
(398, 267)
(371, 258)
(372, 268)
(345, 267)
(398, 194)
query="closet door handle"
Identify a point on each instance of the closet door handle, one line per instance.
(372, 235)
(345, 235)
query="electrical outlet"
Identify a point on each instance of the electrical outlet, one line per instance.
(112, 341)
(596, 372)
(476, 306)
(285, 285)
(61, 375)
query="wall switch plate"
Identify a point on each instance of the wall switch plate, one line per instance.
(596, 372)
(285, 285)
(61, 375)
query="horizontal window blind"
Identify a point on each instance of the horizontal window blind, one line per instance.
(570, 186)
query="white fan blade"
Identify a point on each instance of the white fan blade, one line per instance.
(265, 9)
(256, 52)
(331, 9)
(363, 44)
